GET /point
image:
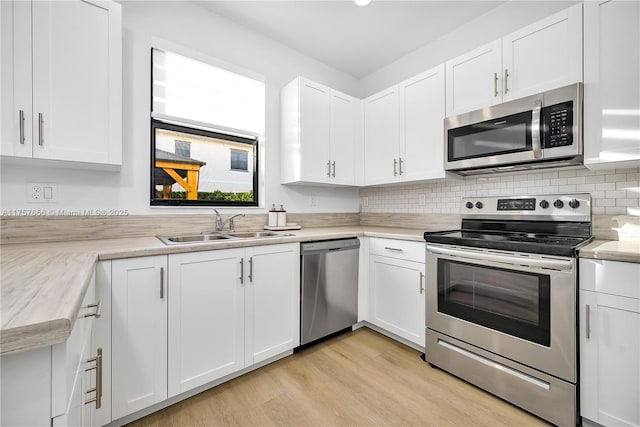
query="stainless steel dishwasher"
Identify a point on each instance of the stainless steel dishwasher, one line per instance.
(329, 288)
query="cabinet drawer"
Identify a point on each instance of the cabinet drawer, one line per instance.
(67, 358)
(400, 249)
(610, 277)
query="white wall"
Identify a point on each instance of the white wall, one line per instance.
(191, 26)
(496, 23)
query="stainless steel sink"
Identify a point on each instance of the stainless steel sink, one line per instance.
(255, 234)
(205, 238)
(192, 238)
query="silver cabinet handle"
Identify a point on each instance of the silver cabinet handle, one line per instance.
(495, 84)
(250, 269)
(329, 168)
(587, 321)
(421, 282)
(98, 388)
(242, 271)
(161, 282)
(393, 249)
(21, 122)
(40, 126)
(98, 312)
(535, 129)
(400, 165)
(395, 167)
(333, 165)
(506, 81)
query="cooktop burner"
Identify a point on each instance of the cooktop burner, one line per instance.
(550, 224)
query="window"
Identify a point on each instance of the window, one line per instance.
(239, 160)
(206, 123)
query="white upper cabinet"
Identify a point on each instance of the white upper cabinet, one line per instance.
(319, 134)
(612, 84)
(403, 130)
(62, 81)
(473, 79)
(422, 126)
(381, 137)
(542, 56)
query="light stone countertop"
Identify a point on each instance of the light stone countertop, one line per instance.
(625, 251)
(43, 284)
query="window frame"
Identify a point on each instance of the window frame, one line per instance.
(253, 142)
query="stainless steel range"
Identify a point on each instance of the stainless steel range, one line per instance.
(501, 306)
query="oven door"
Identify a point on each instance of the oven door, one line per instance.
(520, 306)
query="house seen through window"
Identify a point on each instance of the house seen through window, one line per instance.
(206, 124)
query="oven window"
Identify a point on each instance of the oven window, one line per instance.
(509, 134)
(514, 302)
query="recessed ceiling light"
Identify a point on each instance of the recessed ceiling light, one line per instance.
(362, 2)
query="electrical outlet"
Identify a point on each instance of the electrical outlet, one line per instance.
(38, 192)
(365, 202)
(312, 201)
(422, 200)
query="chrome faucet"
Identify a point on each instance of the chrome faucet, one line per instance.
(220, 224)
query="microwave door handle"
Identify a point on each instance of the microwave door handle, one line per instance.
(535, 129)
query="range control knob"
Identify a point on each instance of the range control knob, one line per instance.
(479, 205)
(558, 204)
(544, 204)
(469, 205)
(574, 203)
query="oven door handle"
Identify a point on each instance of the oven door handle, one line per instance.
(555, 264)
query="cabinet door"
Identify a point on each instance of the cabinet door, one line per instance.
(206, 317)
(139, 333)
(381, 137)
(15, 89)
(422, 126)
(343, 138)
(315, 122)
(609, 355)
(272, 301)
(543, 56)
(76, 81)
(611, 83)
(102, 340)
(473, 80)
(397, 297)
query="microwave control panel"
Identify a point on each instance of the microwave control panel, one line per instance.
(558, 125)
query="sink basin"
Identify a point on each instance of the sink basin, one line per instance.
(193, 238)
(204, 238)
(255, 234)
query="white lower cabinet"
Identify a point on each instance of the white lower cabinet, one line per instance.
(272, 301)
(139, 333)
(206, 318)
(60, 384)
(397, 282)
(610, 342)
(185, 320)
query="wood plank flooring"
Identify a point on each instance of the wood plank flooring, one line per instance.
(359, 378)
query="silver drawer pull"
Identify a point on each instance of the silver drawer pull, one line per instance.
(98, 307)
(587, 321)
(241, 271)
(393, 249)
(98, 388)
(421, 282)
(40, 129)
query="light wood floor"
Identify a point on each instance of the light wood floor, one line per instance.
(360, 378)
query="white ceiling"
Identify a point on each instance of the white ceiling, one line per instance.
(355, 40)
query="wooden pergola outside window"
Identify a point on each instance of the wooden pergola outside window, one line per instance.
(173, 168)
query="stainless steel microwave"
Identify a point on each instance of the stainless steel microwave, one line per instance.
(539, 131)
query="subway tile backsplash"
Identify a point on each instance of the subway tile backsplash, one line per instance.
(613, 192)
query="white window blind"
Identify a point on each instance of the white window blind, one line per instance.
(190, 91)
